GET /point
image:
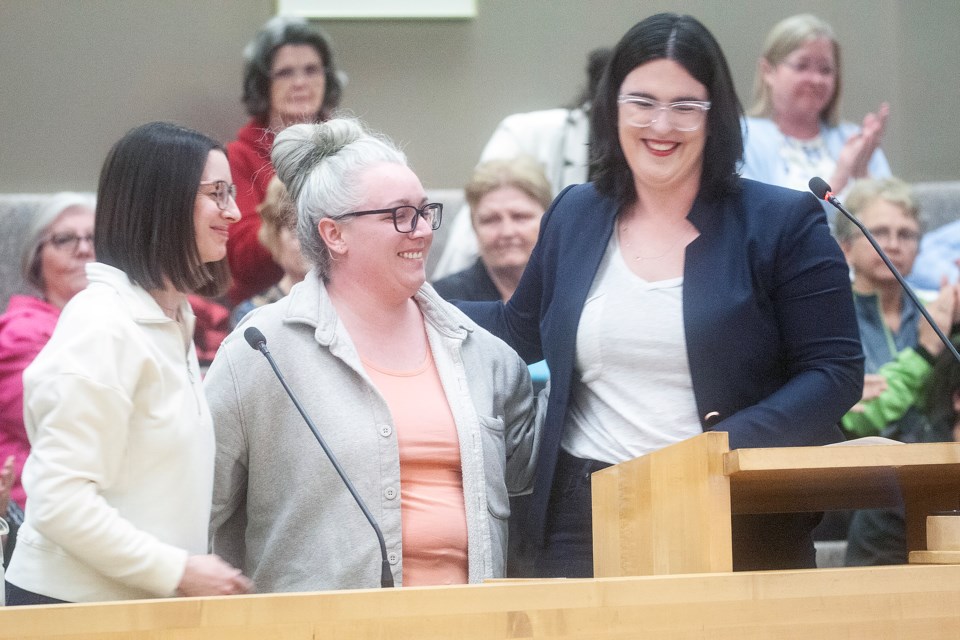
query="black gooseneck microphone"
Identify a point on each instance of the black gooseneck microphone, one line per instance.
(821, 189)
(256, 340)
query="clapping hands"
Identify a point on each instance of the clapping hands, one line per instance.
(855, 156)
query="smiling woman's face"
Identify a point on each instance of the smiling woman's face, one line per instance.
(211, 224)
(659, 155)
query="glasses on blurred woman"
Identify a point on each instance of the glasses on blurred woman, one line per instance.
(68, 242)
(903, 236)
(222, 193)
(405, 217)
(687, 115)
(310, 72)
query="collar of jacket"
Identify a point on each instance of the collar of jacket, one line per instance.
(310, 304)
(143, 308)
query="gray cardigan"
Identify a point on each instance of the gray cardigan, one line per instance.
(281, 514)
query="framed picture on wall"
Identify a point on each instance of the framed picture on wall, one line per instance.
(378, 9)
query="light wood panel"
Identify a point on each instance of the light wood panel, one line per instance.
(669, 511)
(889, 602)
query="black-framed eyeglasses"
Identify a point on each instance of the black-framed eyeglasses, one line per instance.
(68, 242)
(222, 192)
(406, 216)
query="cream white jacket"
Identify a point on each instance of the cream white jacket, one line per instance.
(280, 512)
(120, 473)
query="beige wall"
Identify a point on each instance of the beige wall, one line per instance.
(76, 74)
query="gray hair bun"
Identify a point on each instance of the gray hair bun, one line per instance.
(298, 149)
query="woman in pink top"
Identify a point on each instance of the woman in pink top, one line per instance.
(57, 245)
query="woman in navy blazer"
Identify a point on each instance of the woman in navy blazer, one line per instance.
(768, 350)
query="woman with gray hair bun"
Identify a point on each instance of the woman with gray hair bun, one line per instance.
(57, 245)
(289, 78)
(381, 364)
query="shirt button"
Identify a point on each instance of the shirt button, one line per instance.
(389, 493)
(386, 430)
(393, 557)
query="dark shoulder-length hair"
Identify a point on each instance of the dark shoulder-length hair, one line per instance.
(687, 42)
(145, 209)
(258, 59)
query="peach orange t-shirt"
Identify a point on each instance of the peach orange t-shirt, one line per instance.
(433, 515)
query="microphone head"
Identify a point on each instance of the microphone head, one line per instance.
(819, 187)
(254, 338)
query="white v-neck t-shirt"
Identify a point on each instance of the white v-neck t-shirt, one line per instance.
(632, 392)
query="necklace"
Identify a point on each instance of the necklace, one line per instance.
(637, 257)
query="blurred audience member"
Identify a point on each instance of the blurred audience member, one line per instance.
(558, 138)
(507, 198)
(794, 132)
(939, 257)
(289, 77)
(121, 466)
(57, 246)
(891, 327)
(278, 233)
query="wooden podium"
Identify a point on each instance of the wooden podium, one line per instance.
(669, 512)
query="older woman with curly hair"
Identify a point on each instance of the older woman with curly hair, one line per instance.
(289, 78)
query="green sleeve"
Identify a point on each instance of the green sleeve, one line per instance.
(906, 377)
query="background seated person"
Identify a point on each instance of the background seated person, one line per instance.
(431, 417)
(794, 132)
(891, 327)
(289, 76)
(57, 246)
(899, 344)
(507, 198)
(278, 233)
(558, 138)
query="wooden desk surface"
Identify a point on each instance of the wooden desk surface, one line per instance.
(906, 602)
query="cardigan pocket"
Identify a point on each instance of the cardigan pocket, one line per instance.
(495, 466)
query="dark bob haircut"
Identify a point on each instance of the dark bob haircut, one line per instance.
(258, 59)
(145, 209)
(687, 42)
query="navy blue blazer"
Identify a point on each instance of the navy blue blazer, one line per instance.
(772, 339)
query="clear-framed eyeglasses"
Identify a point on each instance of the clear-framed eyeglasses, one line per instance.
(222, 193)
(405, 217)
(68, 242)
(685, 115)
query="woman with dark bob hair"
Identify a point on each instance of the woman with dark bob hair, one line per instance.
(670, 297)
(289, 78)
(120, 473)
